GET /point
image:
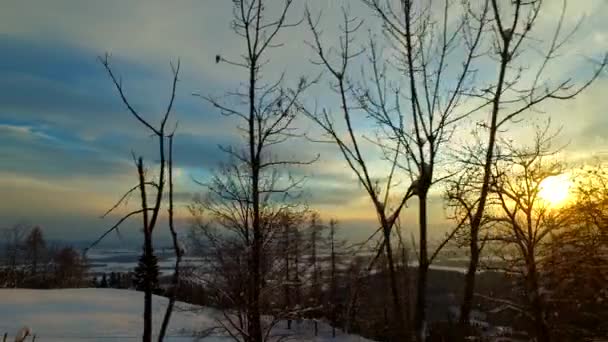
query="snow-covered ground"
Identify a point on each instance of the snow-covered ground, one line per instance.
(116, 315)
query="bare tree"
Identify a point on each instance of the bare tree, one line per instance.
(13, 248)
(149, 212)
(526, 221)
(69, 268)
(290, 246)
(575, 268)
(422, 43)
(248, 198)
(223, 227)
(287, 242)
(224, 275)
(175, 278)
(350, 145)
(317, 247)
(512, 41)
(426, 39)
(333, 303)
(35, 247)
(338, 252)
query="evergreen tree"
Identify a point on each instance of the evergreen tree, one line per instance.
(104, 281)
(119, 280)
(113, 280)
(146, 270)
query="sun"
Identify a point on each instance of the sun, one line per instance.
(555, 189)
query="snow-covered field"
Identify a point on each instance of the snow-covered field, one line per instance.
(115, 315)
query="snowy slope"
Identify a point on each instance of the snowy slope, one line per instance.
(111, 315)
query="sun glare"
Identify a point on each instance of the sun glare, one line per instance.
(555, 189)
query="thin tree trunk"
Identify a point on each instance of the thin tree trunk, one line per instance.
(176, 248)
(406, 284)
(469, 285)
(298, 294)
(148, 222)
(397, 331)
(254, 324)
(147, 335)
(465, 309)
(423, 267)
(538, 305)
(333, 280)
(34, 260)
(287, 285)
(313, 256)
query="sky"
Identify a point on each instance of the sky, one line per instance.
(66, 139)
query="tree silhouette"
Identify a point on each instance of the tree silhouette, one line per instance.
(146, 272)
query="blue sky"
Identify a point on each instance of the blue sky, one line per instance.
(66, 139)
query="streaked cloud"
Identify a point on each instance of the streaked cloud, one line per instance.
(66, 139)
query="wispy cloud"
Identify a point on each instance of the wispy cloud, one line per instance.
(66, 139)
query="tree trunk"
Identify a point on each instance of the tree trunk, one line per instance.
(316, 293)
(423, 267)
(465, 311)
(538, 305)
(332, 290)
(34, 260)
(175, 279)
(147, 337)
(298, 289)
(254, 325)
(541, 327)
(397, 331)
(469, 286)
(287, 285)
(254, 328)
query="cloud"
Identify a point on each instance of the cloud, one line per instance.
(47, 203)
(28, 151)
(64, 132)
(153, 32)
(333, 194)
(582, 122)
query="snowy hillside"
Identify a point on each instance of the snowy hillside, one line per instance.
(112, 315)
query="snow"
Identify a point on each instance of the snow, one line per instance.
(116, 315)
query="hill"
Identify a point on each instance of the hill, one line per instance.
(115, 315)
